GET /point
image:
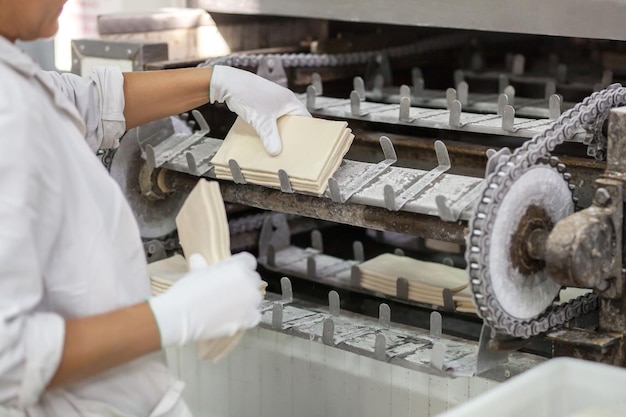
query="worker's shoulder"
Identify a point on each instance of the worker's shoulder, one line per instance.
(19, 92)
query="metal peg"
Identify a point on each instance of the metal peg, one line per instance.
(358, 251)
(285, 183)
(316, 81)
(402, 288)
(359, 86)
(235, 172)
(317, 242)
(380, 347)
(508, 118)
(286, 289)
(436, 324)
(334, 303)
(277, 316)
(455, 114)
(384, 315)
(405, 109)
(328, 332)
(437, 356)
(462, 90)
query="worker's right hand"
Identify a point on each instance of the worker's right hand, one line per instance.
(211, 301)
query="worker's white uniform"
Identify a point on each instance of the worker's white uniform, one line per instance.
(69, 244)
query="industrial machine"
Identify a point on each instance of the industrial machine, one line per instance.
(489, 136)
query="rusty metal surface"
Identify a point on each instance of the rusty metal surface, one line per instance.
(346, 213)
(325, 209)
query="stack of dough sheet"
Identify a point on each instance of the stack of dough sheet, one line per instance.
(426, 280)
(202, 228)
(312, 151)
(165, 272)
(464, 301)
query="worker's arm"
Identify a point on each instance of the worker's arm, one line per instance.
(152, 95)
(209, 302)
(95, 344)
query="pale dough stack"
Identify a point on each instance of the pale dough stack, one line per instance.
(202, 228)
(463, 301)
(312, 151)
(166, 272)
(426, 280)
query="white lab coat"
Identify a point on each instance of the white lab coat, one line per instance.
(69, 244)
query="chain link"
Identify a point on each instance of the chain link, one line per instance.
(309, 60)
(590, 114)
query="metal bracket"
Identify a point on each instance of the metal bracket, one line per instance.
(275, 233)
(488, 359)
(271, 68)
(396, 203)
(169, 148)
(452, 212)
(357, 183)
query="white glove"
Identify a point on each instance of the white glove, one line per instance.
(258, 101)
(211, 301)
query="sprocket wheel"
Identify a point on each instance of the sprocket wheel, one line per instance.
(508, 284)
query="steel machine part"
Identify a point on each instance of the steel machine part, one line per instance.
(525, 243)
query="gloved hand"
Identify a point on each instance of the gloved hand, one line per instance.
(258, 101)
(211, 301)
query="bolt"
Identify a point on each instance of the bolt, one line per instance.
(602, 197)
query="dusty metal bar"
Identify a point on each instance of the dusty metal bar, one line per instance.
(325, 209)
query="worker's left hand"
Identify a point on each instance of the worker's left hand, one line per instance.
(258, 101)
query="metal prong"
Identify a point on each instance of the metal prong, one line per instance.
(277, 316)
(358, 251)
(455, 114)
(359, 87)
(508, 118)
(437, 357)
(380, 347)
(355, 103)
(436, 324)
(402, 288)
(334, 304)
(405, 109)
(202, 123)
(235, 172)
(384, 315)
(311, 96)
(555, 106)
(286, 289)
(462, 90)
(317, 242)
(285, 183)
(316, 81)
(450, 97)
(509, 90)
(328, 332)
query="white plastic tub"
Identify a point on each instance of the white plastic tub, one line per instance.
(560, 387)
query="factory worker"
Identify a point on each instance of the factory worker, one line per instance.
(79, 333)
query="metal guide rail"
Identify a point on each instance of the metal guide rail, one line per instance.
(410, 347)
(434, 192)
(277, 254)
(490, 114)
(548, 107)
